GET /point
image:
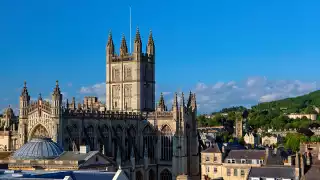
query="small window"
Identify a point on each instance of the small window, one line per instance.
(207, 159)
(233, 161)
(228, 172)
(97, 159)
(235, 172)
(254, 161)
(229, 160)
(215, 170)
(243, 161)
(242, 172)
(215, 159)
(208, 169)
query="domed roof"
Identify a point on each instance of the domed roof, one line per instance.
(39, 148)
(8, 112)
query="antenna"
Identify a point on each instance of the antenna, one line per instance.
(130, 29)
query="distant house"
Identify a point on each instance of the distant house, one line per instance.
(252, 139)
(270, 140)
(313, 117)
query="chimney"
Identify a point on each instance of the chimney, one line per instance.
(267, 152)
(84, 149)
(297, 166)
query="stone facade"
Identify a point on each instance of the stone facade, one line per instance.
(131, 77)
(252, 139)
(270, 140)
(9, 129)
(313, 117)
(147, 141)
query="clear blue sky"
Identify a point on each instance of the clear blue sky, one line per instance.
(196, 41)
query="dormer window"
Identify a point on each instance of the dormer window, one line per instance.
(243, 161)
(233, 161)
(229, 160)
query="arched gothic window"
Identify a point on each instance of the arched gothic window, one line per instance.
(148, 141)
(90, 131)
(165, 175)
(166, 143)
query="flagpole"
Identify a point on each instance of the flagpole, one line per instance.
(130, 28)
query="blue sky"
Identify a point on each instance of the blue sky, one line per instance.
(211, 47)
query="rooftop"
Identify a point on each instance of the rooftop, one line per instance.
(76, 175)
(246, 154)
(273, 172)
(39, 148)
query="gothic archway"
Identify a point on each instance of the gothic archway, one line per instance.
(39, 131)
(152, 175)
(165, 175)
(139, 175)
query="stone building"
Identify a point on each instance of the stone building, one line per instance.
(251, 138)
(270, 140)
(148, 141)
(8, 130)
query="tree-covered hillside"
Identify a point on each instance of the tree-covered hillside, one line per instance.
(300, 104)
(270, 114)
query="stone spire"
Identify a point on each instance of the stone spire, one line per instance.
(150, 46)
(182, 103)
(110, 45)
(175, 102)
(25, 90)
(161, 105)
(57, 89)
(189, 100)
(123, 47)
(137, 42)
(138, 37)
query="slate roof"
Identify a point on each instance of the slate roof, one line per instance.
(76, 156)
(39, 148)
(76, 175)
(273, 172)
(246, 154)
(213, 149)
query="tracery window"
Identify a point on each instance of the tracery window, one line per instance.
(132, 140)
(127, 73)
(165, 175)
(90, 131)
(127, 96)
(148, 142)
(115, 74)
(166, 143)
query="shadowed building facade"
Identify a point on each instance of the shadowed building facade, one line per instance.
(148, 141)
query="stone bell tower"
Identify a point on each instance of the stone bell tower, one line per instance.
(130, 77)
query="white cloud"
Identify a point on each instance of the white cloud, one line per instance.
(249, 92)
(98, 90)
(213, 97)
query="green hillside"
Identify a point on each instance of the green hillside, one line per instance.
(300, 104)
(270, 114)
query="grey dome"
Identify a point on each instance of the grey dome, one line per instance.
(39, 148)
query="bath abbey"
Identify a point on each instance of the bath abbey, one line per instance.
(143, 136)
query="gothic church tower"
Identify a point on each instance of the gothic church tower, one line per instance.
(130, 77)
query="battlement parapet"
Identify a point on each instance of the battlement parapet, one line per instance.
(160, 114)
(94, 114)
